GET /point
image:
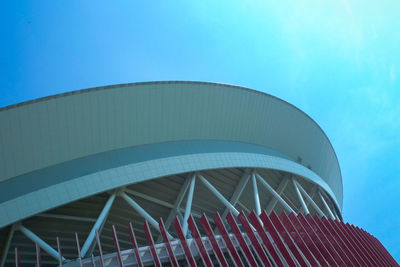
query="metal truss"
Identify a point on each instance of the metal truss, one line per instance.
(275, 240)
(184, 214)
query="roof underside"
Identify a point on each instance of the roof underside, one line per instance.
(79, 216)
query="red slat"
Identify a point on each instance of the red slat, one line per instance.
(335, 245)
(383, 249)
(99, 248)
(285, 236)
(331, 256)
(239, 237)
(356, 241)
(298, 239)
(17, 258)
(339, 240)
(311, 243)
(197, 238)
(348, 243)
(134, 245)
(207, 228)
(149, 238)
(368, 241)
(38, 256)
(364, 240)
(60, 256)
(228, 242)
(267, 243)
(182, 238)
(379, 248)
(257, 246)
(171, 254)
(387, 252)
(116, 243)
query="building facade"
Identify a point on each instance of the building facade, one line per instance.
(86, 162)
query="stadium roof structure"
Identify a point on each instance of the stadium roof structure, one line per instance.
(86, 161)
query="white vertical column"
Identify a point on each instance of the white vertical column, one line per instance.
(188, 204)
(177, 203)
(100, 220)
(303, 204)
(275, 194)
(309, 199)
(326, 206)
(141, 211)
(46, 247)
(256, 196)
(7, 245)
(219, 195)
(281, 187)
(238, 190)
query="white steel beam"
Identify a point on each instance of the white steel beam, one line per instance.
(255, 193)
(141, 211)
(303, 204)
(177, 203)
(66, 217)
(99, 222)
(219, 195)
(175, 209)
(274, 193)
(7, 245)
(238, 190)
(309, 199)
(189, 200)
(35, 239)
(326, 206)
(337, 215)
(149, 198)
(281, 187)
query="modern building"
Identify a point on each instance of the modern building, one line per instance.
(87, 160)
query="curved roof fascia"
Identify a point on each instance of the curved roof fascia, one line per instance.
(64, 192)
(51, 130)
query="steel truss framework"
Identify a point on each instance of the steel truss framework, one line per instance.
(183, 219)
(266, 240)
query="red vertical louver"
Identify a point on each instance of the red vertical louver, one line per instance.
(265, 240)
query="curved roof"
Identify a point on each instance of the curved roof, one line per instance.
(54, 130)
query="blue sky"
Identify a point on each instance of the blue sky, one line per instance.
(338, 61)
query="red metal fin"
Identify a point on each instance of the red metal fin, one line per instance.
(171, 254)
(239, 237)
(346, 241)
(134, 245)
(297, 238)
(116, 244)
(310, 243)
(275, 236)
(362, 248)
(195, 233)
(320, 240)
(38, 256)
(151, 243)
(247, 228)
(60, 257)
(336, 244)
(222, 230)
(182, 238)
(285, 236)
(99, 248)
(207, 228)
(339, 240)
(17, 258)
